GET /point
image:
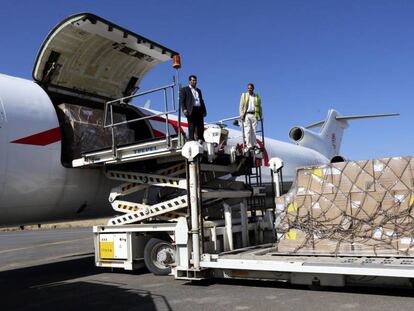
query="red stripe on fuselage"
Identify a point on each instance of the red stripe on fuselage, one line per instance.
(158, 133)
(174, 123)
(54, 135)
(41, 139)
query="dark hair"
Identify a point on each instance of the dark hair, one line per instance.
(251, 84)
(192, 77)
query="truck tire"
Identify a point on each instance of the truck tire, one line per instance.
(158, 256)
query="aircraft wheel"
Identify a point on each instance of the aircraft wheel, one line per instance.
(158, 256)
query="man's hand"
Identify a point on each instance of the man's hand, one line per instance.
(185, 112)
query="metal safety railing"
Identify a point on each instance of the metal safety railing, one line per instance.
(240, 123)
(109, 113)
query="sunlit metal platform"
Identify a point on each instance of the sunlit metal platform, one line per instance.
(136, 152)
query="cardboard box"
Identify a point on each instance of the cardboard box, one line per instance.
(330, 209)
(353, 176)
(84, 131)
(393, 174)
(373, 247)
(356, 208)
(296, 212)
(295, 240)
(280, 213)
(406, 245)
(314, 180)
(332, 247)
(403, 202)
(302, 205)
(366, 207)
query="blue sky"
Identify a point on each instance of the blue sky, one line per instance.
(304, 57)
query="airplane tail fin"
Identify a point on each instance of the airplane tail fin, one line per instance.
(328, 140)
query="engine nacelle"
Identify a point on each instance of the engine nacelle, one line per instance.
(296, 134)
(303, 136)
(306, 138)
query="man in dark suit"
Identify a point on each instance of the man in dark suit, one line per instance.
(194, 109)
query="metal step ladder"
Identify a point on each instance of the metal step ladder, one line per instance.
(253, 177)
(253, 173)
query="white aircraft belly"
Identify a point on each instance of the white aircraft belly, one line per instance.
(3, 155)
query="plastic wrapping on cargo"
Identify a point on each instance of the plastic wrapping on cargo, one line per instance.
(84, 131)
(350, 208)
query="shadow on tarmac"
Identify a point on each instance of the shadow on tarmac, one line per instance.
(363, 290)
(59, 286)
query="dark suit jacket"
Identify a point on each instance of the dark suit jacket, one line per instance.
(187, 100)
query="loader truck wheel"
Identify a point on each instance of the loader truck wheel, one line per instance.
(158, 256)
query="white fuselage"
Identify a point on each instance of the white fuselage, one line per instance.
(34, 185)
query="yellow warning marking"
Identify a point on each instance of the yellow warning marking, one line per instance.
(291, 235)
(318, 172)
(292, 207)
(106, 249)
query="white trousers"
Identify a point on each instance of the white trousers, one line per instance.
(250, 125)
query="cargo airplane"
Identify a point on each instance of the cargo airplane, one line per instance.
(84, 62)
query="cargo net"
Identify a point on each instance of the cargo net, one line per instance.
(355, 208)
(83, 130)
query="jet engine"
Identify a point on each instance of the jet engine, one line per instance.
(318, 141)
(306, 138)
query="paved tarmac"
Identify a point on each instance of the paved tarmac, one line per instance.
(54, 270)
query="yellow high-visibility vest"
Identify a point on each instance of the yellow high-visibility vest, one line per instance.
(244, 104)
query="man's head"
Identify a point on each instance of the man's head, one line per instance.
(250, 88)
(193, 80)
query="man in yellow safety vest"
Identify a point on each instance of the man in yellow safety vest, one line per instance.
(250, 111)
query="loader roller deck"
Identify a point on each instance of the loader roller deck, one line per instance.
(267, 258)
(136, 152)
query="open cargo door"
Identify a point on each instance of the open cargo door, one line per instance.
(86, 61)
(88, 54)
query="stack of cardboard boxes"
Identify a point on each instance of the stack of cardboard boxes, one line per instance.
(84, 131)
(350, 208)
